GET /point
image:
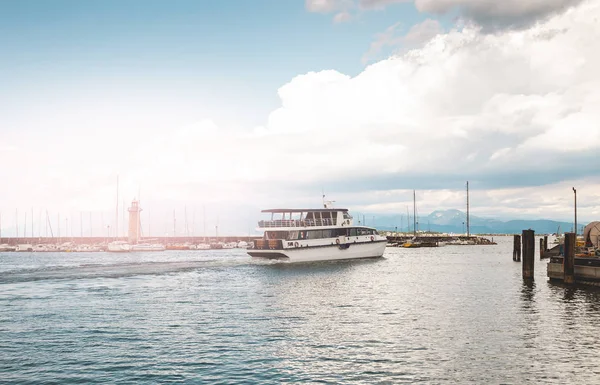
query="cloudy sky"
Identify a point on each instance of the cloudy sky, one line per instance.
(232, 106)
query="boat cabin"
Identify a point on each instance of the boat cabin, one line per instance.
(277, 218)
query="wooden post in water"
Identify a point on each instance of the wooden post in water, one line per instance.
(517, 248)
(545, 243)
(541, 248)
(569, 258)
(528, 253)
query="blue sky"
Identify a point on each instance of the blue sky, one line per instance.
(250, 104)
(241, 51)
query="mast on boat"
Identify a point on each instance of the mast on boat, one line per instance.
(48, 224)
(174, 223)
(468, 229)
(414, 213)
(117, 212)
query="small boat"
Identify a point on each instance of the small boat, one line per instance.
(6, 247)
(87, 248)
(148, 247)
(40, 248)
(203, 246)
(178, 247)
(411, 244)
(24, 247)
(306, 235)
(243, 245)
(119, 247)
(229, 245)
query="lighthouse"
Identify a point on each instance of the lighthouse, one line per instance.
(134, 222)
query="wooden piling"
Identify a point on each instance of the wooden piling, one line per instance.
(545, 243)
(528, 238)
(541, 248)
(569, 258)
(517, 248)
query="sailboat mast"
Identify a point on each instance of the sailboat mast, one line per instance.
(139, 221)
(468, 230)
(414, 213)
(187, 229)
(123, 219)
(174, 223)
(117, 212)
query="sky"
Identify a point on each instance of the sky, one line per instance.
(213, 110)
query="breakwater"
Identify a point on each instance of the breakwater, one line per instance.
(13, 241)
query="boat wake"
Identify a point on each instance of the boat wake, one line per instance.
(87, 271)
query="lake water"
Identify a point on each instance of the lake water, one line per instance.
(455, 314)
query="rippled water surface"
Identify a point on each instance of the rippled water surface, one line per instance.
(453, 314)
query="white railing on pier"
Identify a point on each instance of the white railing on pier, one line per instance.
(296, 223)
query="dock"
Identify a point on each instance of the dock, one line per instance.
(438, 240)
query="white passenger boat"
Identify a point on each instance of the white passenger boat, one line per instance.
(303, 235)
(119, 247)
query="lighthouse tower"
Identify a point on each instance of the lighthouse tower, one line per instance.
(134, 222)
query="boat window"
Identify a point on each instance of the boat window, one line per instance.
(327, 233)
(347, 216)
(276, 234)
(292, 235)
(314, 234)
(353, 232)
(339, 232)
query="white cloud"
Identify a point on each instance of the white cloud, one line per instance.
(342, 17)
(501, 107)
(491, 14)
(379, 4)
(326, 6)
(498, 13)
(416, 37)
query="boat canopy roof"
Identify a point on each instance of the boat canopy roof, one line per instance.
(302, 210)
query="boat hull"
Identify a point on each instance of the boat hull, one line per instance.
(325, 253)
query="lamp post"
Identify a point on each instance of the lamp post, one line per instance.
(575, 194)
(463, 227)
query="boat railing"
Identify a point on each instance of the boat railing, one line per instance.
(296, 223)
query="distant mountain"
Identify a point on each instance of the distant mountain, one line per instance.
(454, 221)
